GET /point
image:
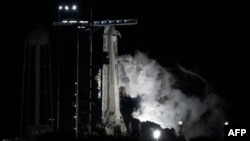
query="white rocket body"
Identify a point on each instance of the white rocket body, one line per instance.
(111, 116)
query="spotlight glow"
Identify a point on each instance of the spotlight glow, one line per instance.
(226, 123)
(180, 123)
(74, 7)
(157, 134)
(60, 7)
(66, 7)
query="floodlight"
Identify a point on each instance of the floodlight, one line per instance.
(156, 134)
(66, 7)
(180, 123)
(60, 7)
(74, 7)
(226, 123)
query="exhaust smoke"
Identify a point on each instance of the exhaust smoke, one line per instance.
(166, 105)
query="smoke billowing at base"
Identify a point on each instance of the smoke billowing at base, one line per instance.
(163, 103)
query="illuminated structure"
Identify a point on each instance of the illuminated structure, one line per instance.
(111, 115)
(112, 119)
(180, 124)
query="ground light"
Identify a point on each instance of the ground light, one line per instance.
(226, 123)
(157, 134)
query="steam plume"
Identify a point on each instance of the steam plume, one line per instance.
(165, 105)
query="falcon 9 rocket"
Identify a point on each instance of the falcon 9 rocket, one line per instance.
(111, 116)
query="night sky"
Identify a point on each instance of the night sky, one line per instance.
(211, 38)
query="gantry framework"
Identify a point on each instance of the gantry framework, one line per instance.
(89, 25)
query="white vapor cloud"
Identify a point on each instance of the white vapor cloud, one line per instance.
(165, 105)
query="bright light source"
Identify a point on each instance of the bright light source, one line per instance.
(83, 22)
(74, 7)
(60, 7)
(226, 123)
(66, 7)
(65, 21)
(180, 123)
(157, 134)
(75, 116)
(74, 105)
(72, 21)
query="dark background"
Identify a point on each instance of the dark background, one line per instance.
(211, 38)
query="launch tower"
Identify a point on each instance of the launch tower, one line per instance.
(112, 119)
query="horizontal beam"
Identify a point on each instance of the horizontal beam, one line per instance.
(98, 23)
